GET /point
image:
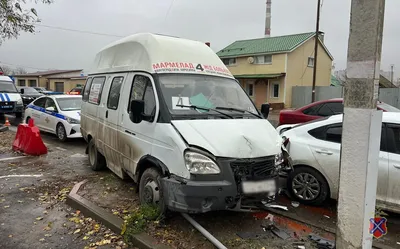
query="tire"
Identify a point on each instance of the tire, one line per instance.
(18, 114)
(305, 178)
(151, 190)
(96, 160)
(61, 133)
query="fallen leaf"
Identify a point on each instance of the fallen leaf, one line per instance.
(10, 236)
(103, 242)
(2, 200)
(41, 240)
(125, 211)
(78, 212)
(22, 189)
(11, 164)
(169, 241)
(6, 206)
(85, 238)
(39, 218)
(91, 232)
(47, 235)
(19, 201)
(77, 231)
(45, 212)
(17, 184)
(34, 223)
(116, 213)
(97, 227)
(118, 247)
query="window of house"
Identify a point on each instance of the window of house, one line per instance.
(86, 90)
(142, 89)
(32, 83)
(263, 59)
(21, 83)
(59, 86)
(250, 89)
(113, 95)
(95, 90)
(229, 61)
(275, 90)
(310, 62)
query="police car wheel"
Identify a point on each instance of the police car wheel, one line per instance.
(96, 160)
(151, 190)
(61, 133)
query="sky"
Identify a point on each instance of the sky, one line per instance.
(220, 22)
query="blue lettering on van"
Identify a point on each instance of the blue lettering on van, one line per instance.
(41, 109)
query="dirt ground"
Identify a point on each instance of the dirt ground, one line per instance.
(120, 198)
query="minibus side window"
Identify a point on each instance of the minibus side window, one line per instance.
(85, 92)
(142, 89)
(113, 95)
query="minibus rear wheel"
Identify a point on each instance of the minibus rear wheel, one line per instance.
(96, 160)
(151, 191)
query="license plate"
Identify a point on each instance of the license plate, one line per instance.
(255, 187)
(6, 106)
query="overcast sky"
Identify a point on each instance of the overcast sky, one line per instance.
(219, 21)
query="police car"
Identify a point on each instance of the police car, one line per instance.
(58, 114)
(10, 99)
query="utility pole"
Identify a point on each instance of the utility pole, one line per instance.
(361, 126)
(316, 52)
(392, 73)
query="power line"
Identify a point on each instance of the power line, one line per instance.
(11, 64)
(76, 30)
(169, 9)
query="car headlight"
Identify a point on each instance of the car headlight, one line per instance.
(279, 159)
(19, 102)
(72, 121)
(198, 163)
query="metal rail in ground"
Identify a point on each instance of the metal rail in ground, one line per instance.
(203, 231)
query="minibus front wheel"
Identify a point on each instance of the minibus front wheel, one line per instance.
(151, 190)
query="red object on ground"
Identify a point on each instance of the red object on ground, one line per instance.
(28, 140)
(320, 109)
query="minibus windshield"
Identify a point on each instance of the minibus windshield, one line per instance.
(203, 91)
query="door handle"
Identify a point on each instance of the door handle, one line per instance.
(396, 166)
(129, 132)
(323, 152)
(107, 114)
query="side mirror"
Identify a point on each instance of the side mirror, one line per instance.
(50, 109)
(265, 110)
(137, 109)
(22, 91)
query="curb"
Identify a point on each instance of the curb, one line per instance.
(142, 240)
(3, 128)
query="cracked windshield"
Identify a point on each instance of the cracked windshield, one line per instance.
(201, 124)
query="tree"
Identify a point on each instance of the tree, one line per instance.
(6, 70)
(14, 18)
(19, 71)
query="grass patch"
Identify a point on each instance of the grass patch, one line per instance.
(139, 219)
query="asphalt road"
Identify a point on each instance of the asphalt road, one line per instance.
(33, 213)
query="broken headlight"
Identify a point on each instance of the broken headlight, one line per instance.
(198, 163)
(279, 159)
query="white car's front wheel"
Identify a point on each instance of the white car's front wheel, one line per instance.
(308, 186)
(61, 133)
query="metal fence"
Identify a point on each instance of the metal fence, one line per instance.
(301, 95)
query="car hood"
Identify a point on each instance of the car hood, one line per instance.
(235, 138)
(73, 114)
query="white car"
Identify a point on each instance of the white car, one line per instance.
(315, 150)
(58, 114)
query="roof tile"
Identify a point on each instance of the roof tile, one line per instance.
(265, 45)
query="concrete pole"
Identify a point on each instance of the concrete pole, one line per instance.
(361, 126)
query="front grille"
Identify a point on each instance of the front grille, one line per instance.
(7, 105)
(253, 169)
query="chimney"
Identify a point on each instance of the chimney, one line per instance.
(268, 20)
